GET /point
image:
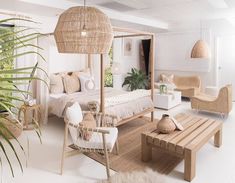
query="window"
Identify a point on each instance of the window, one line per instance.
(108, 76)
(6, 50)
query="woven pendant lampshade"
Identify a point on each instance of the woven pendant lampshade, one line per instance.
(200, 50)
(69, 35)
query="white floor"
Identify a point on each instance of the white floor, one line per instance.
(214, 165)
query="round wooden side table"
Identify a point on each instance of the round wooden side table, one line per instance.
(31, 115)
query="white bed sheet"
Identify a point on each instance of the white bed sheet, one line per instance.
(59, 102)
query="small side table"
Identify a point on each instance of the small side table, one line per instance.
(166, 101)
(30, 113)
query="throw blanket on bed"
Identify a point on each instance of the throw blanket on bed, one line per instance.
(126, 97)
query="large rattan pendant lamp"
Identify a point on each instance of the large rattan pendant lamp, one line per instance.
(200, 49)
(83, 29)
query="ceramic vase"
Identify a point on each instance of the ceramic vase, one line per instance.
(166, 125)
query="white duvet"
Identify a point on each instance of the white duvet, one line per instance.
(120, 103)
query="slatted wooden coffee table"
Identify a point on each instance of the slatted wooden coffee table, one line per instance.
(197, 132)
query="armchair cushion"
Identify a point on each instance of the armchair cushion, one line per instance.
(167, 78)
(96, 141)
(74, 114)
(88, 122)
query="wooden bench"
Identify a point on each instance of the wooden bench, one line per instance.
(197, 132)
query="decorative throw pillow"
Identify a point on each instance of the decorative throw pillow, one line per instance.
(71, 84)
(56, 84)
(74, 114)
(87, 83)
(169, 79)
(88, 122)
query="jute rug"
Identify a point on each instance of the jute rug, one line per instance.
(129, 158)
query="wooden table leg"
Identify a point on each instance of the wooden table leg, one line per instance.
(189, 165)
(218, 138)
(146, 149)
(26, 119)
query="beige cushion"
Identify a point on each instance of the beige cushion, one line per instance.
(56, 84)
(169, 79)
(88, 122)
(71, 83)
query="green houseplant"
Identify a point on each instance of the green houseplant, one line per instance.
(12, 39)
(136, 79)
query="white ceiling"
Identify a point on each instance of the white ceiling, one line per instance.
(176, 11)
(152, 13)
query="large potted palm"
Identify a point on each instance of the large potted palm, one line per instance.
(12, 39)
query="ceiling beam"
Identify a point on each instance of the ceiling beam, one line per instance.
(115, 15)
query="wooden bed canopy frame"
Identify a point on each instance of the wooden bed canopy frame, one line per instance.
(128, 33)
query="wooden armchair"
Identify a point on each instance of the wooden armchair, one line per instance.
(102, 139)
(221, 104)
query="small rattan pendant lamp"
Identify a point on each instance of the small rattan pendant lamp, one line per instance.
(200, 49)
(85, 30)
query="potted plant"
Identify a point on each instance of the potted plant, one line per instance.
(12, 38)
(136, 79)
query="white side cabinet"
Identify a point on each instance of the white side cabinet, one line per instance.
(166, 101)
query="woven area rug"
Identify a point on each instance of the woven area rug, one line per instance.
(129, 157)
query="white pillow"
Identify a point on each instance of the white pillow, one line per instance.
(74, 114)
(56, 84)
(87, 83)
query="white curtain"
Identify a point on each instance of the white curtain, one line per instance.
(42, 94)
(28, 60)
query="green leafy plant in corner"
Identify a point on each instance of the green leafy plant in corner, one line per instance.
(108, 75)
(136, 79)
(12, 39)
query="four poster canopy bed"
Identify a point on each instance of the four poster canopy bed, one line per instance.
(86, 30)
(126, 106)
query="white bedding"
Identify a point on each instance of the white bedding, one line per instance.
(120, 103)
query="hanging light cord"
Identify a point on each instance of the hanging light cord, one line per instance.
(84, 26)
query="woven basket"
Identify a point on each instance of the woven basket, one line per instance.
(70, 25)
(13, 126)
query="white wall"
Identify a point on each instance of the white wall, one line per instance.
(126, 62)
(173, 50)
(59, 62)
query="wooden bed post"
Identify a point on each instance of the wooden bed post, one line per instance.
(102, 83)
(152, 60)
(89, 61)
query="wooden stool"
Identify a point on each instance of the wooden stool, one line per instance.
(30, 114)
